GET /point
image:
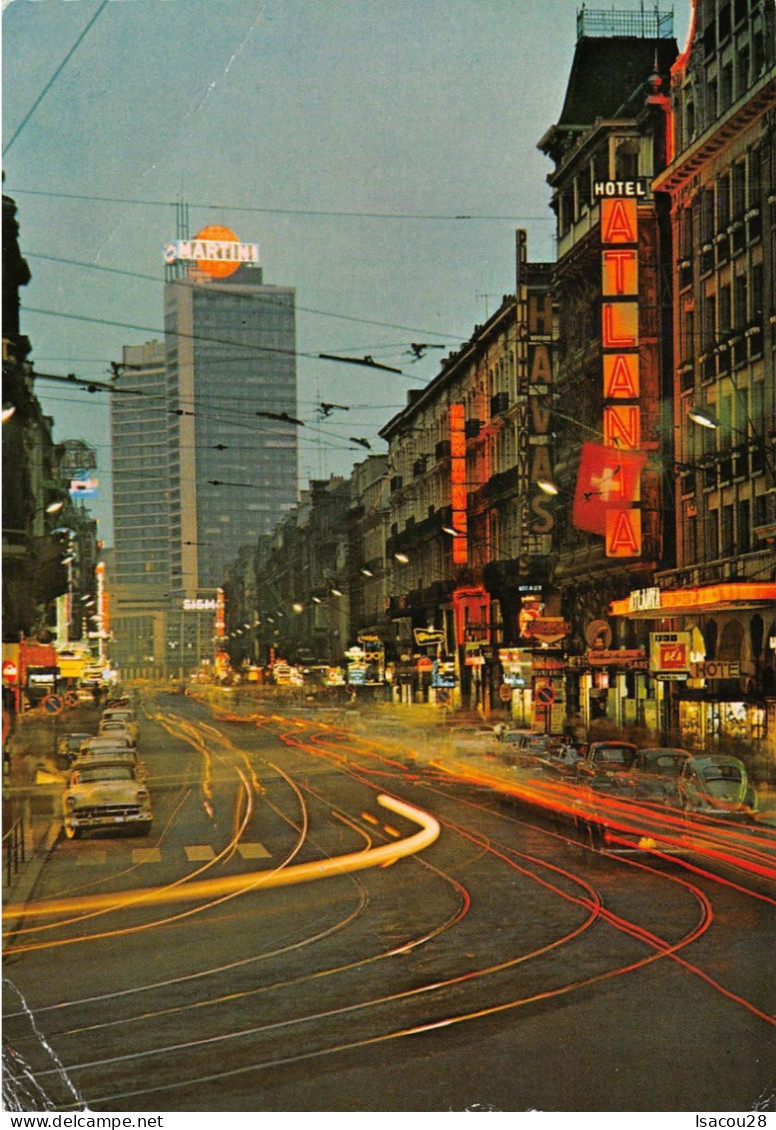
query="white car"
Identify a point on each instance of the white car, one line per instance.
(118, 754)
(107, 741)
(106, 795)
(111, 723)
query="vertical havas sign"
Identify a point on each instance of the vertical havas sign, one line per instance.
(534, 406)
(458, 483)
(542, 520)
(620, 345)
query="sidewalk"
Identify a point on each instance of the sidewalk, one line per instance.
(31, 823)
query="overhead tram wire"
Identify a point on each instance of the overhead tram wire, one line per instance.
(334, 441)
(192, 337)
(220, 206)
(54, 76)
(269, 299)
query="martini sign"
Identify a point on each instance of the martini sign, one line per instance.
(216, 251)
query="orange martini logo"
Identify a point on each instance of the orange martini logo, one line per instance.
(216, 250)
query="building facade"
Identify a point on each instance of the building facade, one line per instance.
(611, 485)
(720, 598)
(205, 450)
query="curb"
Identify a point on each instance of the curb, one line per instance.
(18, 893)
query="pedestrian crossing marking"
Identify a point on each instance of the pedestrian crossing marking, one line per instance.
(146, 855)
(94, 856)
(195, 853)
(253, 851)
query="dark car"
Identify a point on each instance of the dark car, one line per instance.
(68, 747)
(605, 763)
(655, 770)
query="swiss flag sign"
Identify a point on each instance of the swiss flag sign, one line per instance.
(608, 479)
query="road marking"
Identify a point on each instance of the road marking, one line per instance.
(276, 877)
(197, 852)
(253, 851)
(93, 857)
(146, 855)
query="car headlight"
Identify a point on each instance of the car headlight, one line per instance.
(142, 795)
(69, 803)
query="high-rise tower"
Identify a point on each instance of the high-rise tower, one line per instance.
(217, 451)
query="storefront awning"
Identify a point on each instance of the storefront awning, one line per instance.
(659, 604)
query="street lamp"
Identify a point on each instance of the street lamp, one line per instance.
(402, 558)
(547, 486)
(702, 416)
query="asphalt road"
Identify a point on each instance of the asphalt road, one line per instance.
(286, 939)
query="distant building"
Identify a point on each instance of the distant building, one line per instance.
(204, 449)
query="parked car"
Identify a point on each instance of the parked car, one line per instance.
(522, 747)
(113, 720)
(472, 739)
(605, 762)
(716, 785)
(655, 772)
(107, 741)
(68, 747)
(125, 755)
(105, 795)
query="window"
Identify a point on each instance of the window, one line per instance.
(742, 77)
(723, 202)
(738, 190)
(712, 536)
(744, 538)
(626, 161)
(728, 531)
(725, 310)
(709, 329)
(690, 119)
(726, 88)
(740, 297)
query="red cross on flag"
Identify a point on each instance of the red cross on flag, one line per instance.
(608, 479)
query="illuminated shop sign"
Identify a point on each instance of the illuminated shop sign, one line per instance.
(620, 344)
(216, 251)
(458, 483)
(603, 188)
(533, 416)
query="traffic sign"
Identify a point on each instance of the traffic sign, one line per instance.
(10, 670)
(53, 703)
(505, 692)
(71, 699)
(545, 694)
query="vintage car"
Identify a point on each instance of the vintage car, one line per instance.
(104, 795)
(114, 721)
(716, 785)
(107, 741)
(125, 755)
(605, 762)
(472, 739)
(654, 772)
(68, 747)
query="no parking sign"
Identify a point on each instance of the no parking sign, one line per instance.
(53, 703)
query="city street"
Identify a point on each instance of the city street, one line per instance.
(351, 916)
